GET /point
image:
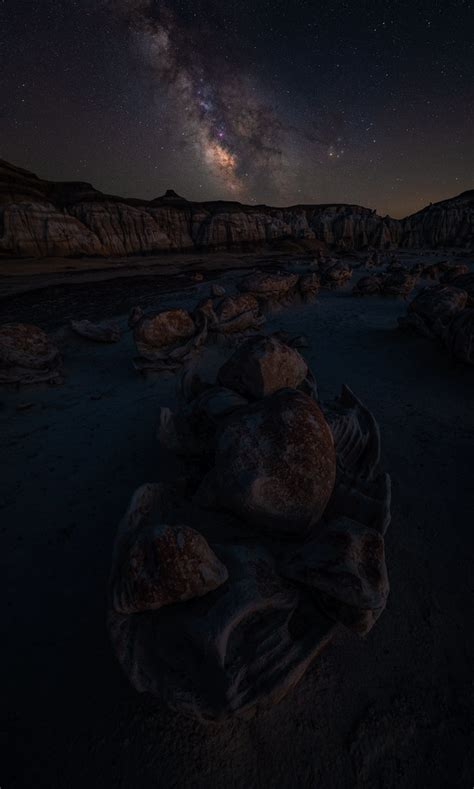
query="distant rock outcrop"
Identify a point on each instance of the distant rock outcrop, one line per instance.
(41, 218)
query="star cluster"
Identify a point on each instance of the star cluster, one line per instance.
(262, 101)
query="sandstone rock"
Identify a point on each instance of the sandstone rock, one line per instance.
(459, 336)
(262, 366)
(275, 465)
(157, 333)
(345, 566)
(433, 308)
(106, 331)
(399, 283)
(453, 271)
(44, 218)
(136, 314)
(435, 270)
(368, 286)
(28, 355)
(155, 564)
(465, 282)
(237, 314)
(269, 285)
(336, 274)
(309, 285)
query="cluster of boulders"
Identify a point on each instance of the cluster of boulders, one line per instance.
(227, 582)
(395, 282)
(166, 339)
(445, 312)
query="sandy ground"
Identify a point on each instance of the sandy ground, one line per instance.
(390, 710)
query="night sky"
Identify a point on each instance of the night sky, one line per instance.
(275, 101)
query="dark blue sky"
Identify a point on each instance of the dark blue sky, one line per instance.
(267, 101)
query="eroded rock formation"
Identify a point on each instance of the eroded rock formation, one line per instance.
(42, 218)
(223, 616)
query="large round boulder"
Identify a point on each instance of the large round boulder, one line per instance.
(433, 308)
(275, 465)
(272, 284)
(28, 355)
(163, 330)
(368, 286)
(262, 366)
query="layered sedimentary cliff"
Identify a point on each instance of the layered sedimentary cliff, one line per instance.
(42, 218)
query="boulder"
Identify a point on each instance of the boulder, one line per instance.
(275, 465)
(336, 274)
(217, 291)
(157, 564)
(262, 366)
(237, 314)
(456, 270)
(156, 333)
(28, 355)
(345, 566)
(106, 331)
(433, 308)
(271, 285)
(459, 336)
(465, 282)
(398, 283)
(368, 286)
(309, 285)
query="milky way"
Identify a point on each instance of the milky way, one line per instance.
(239, 137)
(257, 100)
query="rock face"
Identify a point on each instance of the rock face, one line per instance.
(28, 355)
(275, 464)
(39, 218)
(449, 223)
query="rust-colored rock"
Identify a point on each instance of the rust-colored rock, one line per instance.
(156, 565)
(336, 274)
(155, 333)
(269, 284)
(28, 355)
(237, 313)
(275, 464)
(262, 366)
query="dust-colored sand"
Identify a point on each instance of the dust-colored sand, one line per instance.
(391, 710)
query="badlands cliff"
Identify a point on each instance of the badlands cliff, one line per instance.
(42, 218)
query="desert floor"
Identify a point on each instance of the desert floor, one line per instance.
(390, 710)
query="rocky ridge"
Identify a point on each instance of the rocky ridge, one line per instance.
(42, 218)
